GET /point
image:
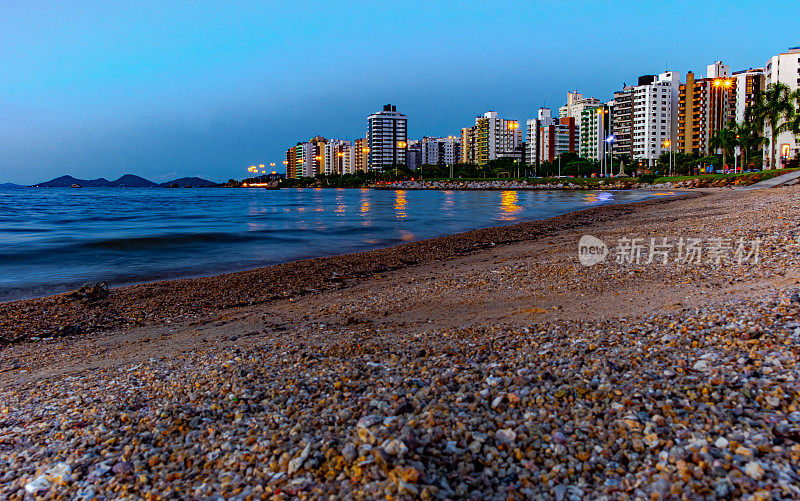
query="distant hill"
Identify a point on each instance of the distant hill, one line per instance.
(131, 181)
(127, 181)
(193, 182)
(10, 185)
(67, 181)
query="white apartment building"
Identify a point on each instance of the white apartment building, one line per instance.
(502, 136)
(533, 137)
(387, 137)
(336, 157)
(308, 160)
(595, 129)
(783, 68)
(441, 150)
(576, 103)
(748, 83)
(655, 116)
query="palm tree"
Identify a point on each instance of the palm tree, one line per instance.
(724, 139)
(771, 107)
(793, 118)
(748, 136)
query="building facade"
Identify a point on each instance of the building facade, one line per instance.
(748, 84)
(441, 151)
(491, 138)
(291, 162)
(336, 157)
(533, 138)
(387, 138)
(361, 155)
(576, 103)
(595, 131)
(558, 138)
(783, 68)
(413, 154)
(655, 116)
(705, 105)
(622, 123)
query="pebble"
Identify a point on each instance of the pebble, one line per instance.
(754, 470)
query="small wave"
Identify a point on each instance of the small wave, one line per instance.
(163, 241)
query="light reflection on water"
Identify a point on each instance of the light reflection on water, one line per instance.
(52, 240)
(508, 205)
(598, 196)
(400, 204)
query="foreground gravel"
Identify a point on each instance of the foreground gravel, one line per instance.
(704, 402)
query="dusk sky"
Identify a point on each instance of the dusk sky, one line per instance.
(172, 89)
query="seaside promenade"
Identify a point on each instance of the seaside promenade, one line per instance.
(490, 365)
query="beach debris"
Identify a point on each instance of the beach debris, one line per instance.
(90, 293)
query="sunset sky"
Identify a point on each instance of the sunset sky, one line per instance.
(171, 89)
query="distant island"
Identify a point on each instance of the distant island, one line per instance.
(126, 181)
(10, 185)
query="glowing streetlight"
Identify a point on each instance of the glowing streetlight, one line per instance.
(667, 144)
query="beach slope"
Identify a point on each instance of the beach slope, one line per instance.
(490, 364)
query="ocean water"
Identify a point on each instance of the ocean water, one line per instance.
(55, 239)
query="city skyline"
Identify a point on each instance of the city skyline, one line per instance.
(120, 106)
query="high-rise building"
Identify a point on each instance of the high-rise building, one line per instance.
(655, 116)
(336, 157)
(490, 138)
(314, 157)
(558, 138)
(576, 103)
(291, 162)
(413, 154)
(783, 68)
(748, 84)
(574, 108)
(441, 150)
(705, 105)
(533, 140)
(361, 155)
(387, 136)
(595, 130)
(469, 145)
(622, 123)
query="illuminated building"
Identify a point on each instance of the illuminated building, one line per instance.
(387, 136)
(783, 68)
(705, 105)
(490, 138)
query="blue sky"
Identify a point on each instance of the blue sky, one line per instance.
(170, 89)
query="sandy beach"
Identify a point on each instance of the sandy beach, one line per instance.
(485, 365)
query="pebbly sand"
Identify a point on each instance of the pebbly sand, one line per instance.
(489, 364)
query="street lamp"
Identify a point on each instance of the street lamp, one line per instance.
(401, 145)
(668, 144)
(610, 141)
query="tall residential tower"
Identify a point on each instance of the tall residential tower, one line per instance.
(387, 137)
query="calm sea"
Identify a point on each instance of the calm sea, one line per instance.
(55, 239)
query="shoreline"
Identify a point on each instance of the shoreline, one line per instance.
(153, 302)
